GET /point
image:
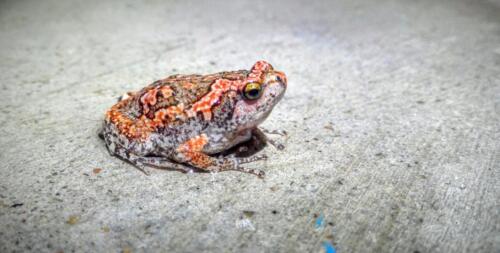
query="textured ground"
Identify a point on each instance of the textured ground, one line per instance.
(393, 115)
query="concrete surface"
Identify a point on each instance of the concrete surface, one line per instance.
(392, 111)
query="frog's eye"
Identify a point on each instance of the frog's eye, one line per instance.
(252, 91)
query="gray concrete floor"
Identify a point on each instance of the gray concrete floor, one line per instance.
(392, 112)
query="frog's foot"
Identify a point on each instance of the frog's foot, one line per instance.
(276, 144)
(224, 164)
(276, 132)
(261, 132)
(234, 164)
(213, 164)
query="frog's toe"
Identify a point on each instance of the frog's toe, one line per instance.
(257, 172)
(276, 144)
(251, 159)
(140, 166)
(277, 132)
(242, 149)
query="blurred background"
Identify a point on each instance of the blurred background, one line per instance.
(392, 112)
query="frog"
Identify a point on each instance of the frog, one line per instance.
(184, 122)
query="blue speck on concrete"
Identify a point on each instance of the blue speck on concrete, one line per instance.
(329, 247)
(320, 221)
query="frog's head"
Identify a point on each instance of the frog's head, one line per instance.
(259, 93)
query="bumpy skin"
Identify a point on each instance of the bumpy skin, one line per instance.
(180, 121)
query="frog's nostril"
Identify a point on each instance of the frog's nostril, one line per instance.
(280, 77)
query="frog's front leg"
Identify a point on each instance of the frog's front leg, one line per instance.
(191, 152)
(261, 134)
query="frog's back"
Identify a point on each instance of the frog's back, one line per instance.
(164, 102)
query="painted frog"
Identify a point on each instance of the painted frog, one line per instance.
(183, 121)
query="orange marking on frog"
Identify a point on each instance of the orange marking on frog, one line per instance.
(160, 117)
(187, 85)
(218, 88)
(258, 69)
(142, 127)
(176, 111)
(166, 91)
(195, 144)
(149, 99)
(192, 151)
(129, 127)
(221, 86)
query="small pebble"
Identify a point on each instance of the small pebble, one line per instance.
(73, 219)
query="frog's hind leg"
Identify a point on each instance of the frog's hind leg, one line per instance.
(191, 152)
(164, 163)
(115, 148)
(128, 156)
(142, 162)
